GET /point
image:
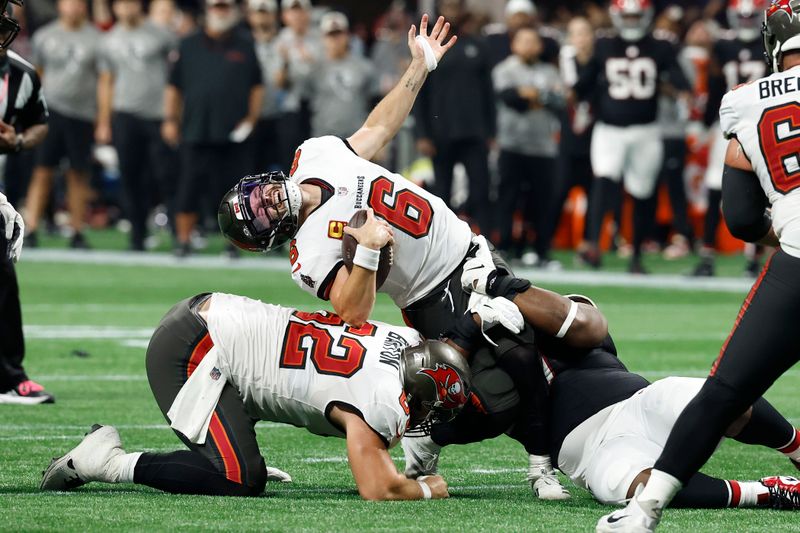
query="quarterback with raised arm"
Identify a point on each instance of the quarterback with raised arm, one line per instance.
(440, 268)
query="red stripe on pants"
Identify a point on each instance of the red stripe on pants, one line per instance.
(233, 470)
(742, 311)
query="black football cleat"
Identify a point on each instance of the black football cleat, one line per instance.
(752, 269)
(704, 269)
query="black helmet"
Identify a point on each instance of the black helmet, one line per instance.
(436, 380)
(252, 227)
(9, 27)
(781, 31)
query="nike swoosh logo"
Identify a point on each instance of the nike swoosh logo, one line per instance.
(612, 519)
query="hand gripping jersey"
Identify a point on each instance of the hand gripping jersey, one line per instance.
(430, 240)
(290, 366)
(765, 118)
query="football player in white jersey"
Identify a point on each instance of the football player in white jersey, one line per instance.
(218, 362)
(437, 261)
(762, 170)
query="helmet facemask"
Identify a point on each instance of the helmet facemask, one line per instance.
(9, 27)
(270, 207)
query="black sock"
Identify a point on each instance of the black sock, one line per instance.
(602, 199)
(767, 427)
(702, 492)
(188, 472)
(711, 222)
(644, 214)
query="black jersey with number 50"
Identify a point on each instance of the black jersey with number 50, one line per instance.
(624, 79)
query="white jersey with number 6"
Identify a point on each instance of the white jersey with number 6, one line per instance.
(765, 118)
(290, 366)
(430, 240)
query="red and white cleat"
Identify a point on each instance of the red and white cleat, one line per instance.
(784, 492)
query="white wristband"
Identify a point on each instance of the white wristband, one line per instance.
(573, 312)
(430, 57)
(426, 490)
(367, 258)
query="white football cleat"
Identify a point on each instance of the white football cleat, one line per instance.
(544, 480)
(91, 460)
(636, 517)
(422, 456)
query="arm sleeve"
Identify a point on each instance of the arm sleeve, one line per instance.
(35, 109)
(176, 68)
(314, 269)
(587, 81)
(104, 61)
(422, 112)
(728, 117)
(744, 205)
(673, 69)
(255, 75)
(489, 102)
(506, 90)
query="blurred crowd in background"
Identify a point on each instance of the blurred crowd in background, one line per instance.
(157, 107)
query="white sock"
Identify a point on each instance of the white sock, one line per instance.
(660, 488)
(792, 448)
(125, 464)
(746, 493)
(539, 465)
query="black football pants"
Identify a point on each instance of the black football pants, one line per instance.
(146, 165)
(229, 463)
(12, 343)
(761, 347)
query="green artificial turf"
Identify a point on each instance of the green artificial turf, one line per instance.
(88, 325)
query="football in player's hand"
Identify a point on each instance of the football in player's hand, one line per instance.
(349, 244)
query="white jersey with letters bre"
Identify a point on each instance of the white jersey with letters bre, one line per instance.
(430, 240)
(289, 366)
(765, 118)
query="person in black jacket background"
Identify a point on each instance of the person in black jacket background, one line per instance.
(456, 114)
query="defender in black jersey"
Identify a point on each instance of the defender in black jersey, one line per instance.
(624, 80)
(736, 58)
(609, 426)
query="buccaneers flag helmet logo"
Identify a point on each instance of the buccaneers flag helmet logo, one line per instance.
(449, 387)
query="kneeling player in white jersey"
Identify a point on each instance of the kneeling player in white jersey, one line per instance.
(217, 363)
(438, 263)
(762, 169)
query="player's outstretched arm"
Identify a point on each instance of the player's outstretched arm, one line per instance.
(579, 324)
(388, 116)
(374, 471)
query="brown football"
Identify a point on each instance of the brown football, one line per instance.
(349, 244)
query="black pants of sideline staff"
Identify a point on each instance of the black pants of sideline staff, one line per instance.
(474, 155)
(526, 183)
(12, 343)
(146, 165)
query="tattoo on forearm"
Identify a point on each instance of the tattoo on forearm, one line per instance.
(412, 85)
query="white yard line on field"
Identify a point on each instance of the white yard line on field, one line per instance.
(281, 264)
(85, 332)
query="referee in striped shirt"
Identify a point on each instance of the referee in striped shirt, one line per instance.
(23, 125)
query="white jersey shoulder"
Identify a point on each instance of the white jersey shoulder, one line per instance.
(764, 116)
(430, 240)
(293, 367)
